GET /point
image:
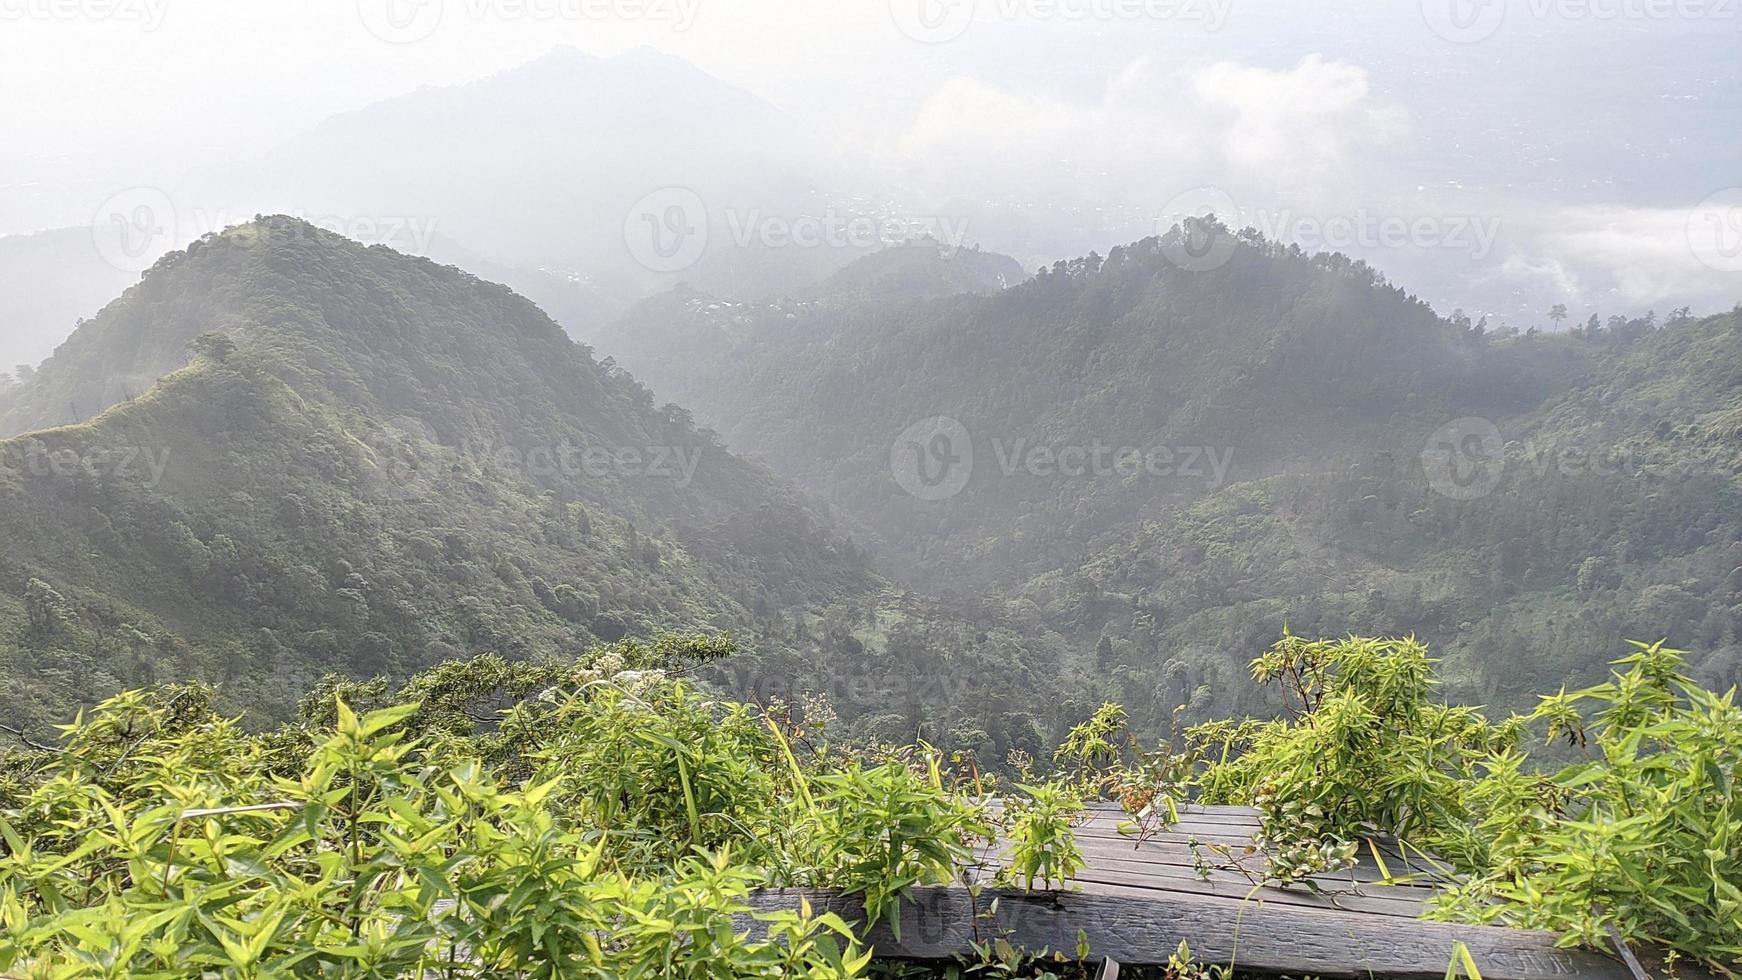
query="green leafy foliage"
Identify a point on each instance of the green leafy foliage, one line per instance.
(1641, 835)
(1367, 747)
(1042, 845)
(159, 839)
(1634, 840)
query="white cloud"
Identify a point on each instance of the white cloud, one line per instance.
(1638, 257)
(1302, 123)
(1306, 131)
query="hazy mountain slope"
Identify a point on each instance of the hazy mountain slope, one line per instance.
(696, 343)
(1613, 511)
(919, 270)
(531, 177)
(542, 166)
(374, 462)
(48, 281)
(1613, 508)
(395, 460)
(1271, 359)
(580, 304)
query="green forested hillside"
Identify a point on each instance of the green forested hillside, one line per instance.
(373, 463)
(1274, 356)
(1613, 509)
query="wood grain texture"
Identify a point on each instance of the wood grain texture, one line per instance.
(1145, 928)
(1137, 900)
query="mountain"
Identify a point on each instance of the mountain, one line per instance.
(1168, 464)
(549, 165)
(923, 269)
(371, 462)
(551, 178)
(1210, 376)
(1612, 510)
(694, 342)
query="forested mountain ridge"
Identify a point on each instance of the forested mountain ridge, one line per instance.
(373, 463)
(1614, 508)
(1520, 501)
(1272, 358)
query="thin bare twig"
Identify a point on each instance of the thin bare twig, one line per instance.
(27, 740)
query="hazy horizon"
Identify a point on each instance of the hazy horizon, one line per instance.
(1493, 157)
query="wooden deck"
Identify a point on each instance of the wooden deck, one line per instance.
(1135, 902)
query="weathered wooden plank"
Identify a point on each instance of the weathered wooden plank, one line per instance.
(939, 923)
(1377, 899)
(1371, 903)
(1169, 847)
(1218, 813)
(1403, 875)
(1374, 898)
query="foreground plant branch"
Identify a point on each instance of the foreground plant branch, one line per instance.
(611, 819)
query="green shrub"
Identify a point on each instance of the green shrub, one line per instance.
(1644, 835)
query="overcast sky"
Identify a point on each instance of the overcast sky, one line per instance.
(1594, 128)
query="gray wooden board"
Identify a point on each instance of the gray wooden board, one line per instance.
(1325, 892)
(1364, 872)
(1145, 926)
(1137, 900)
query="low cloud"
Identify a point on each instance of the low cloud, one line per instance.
(1154, 131)
(1624, 257)
(1311, 146)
